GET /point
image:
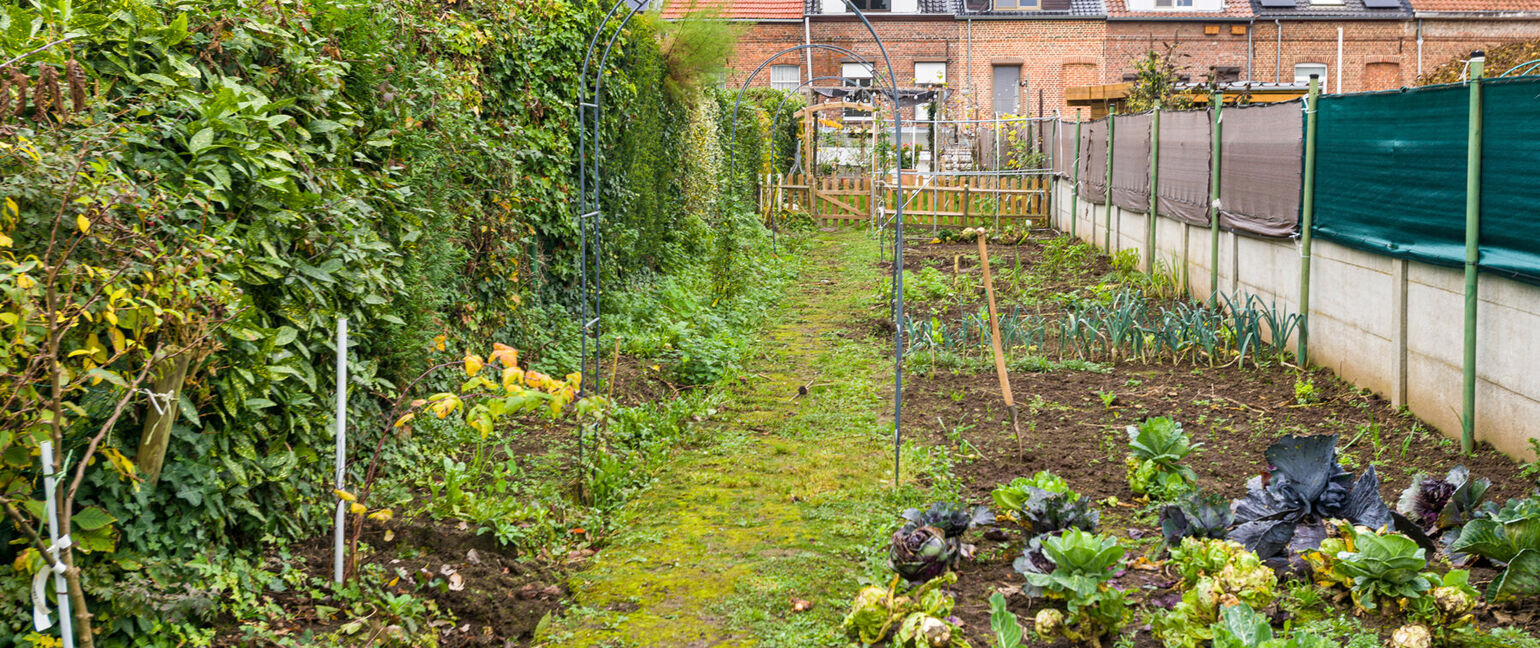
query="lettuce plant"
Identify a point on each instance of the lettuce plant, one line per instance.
(1441, 507)
(1083, 563)
(1384, 567)
(1215, 574)
(1009, 497)
(1447, 607)
(1242, 627)
(918, 619)
(1285, 509)
(1510, 537)
(1156, 449)
(1199, 515)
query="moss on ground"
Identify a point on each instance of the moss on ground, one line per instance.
(789, 497)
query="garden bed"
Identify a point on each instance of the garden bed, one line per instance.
(1073, 420)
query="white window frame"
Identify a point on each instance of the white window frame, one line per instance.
(904, 6)
(779, 77)
(858, 72)
(1330, 3)
(930, 72)
(1302, 76)
(1174, 5)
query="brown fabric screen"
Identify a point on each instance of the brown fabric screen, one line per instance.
(1093, 161)
(1259, 175)
(1185, 151)
(1064, 150)
(1131, 163)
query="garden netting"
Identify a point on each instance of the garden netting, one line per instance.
(1093, 162)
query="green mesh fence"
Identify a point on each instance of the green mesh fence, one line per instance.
(1390, 174)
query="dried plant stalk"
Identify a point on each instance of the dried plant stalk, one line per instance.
(19, 88)
(5, 94)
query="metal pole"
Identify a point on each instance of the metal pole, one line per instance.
(1074, 194)
(60, 586)
(1216, 103)
(1472, 251)
(1112, 120)
(1307, 218)
(1154, 188)
(342, 444)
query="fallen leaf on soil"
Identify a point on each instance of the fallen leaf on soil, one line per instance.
(528, 591)
(389, 535)
(551, 591)
(456, 582)
(472, 557)
(446, 570)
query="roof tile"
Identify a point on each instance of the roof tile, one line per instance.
(736, 9)
(1353, 9)
(1477, 6)
(1232, 9)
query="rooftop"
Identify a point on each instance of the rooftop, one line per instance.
(735, 9)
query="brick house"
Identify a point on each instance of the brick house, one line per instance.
(1019, 56)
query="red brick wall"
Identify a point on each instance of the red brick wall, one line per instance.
(1055, 54)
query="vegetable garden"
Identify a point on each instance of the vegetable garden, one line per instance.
(1174, 480)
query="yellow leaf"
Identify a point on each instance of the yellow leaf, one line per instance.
(5, 241)
(10, 206)
(512, 378)
(24, 282)
(382, 515)
(438, 343)
(83, 223)
(395, 580)
(346, 496)
(505, 354)
(405, 419)
(110, 316)
(356, 509)
(389, 535)
(122, 465)
(119, 343)
(473, 365)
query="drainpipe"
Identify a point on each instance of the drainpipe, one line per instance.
(1339, 60)
(973, 101)
(807, 39)
(1472, 251)
(1250, 48)
(1307, 219)
(1419, 48)
(1278, 53)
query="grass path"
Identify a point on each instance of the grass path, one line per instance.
(787, 497)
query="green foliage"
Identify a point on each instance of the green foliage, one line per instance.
(928, 285)
(1384, 567)
(1215, 573)
(1511, 537)
(1157, 447)
(1083, 563)
(1005, 625)
(1156, 76)
(1242, 627)
(1008, 498)
(916, 619)
(407, 165)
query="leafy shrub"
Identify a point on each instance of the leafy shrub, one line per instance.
(1158, 446)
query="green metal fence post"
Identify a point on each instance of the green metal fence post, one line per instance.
(1216, 103)
(1472, 251)
(1074, 196)
(1149, 237)
(1112, 120)
(1307, 217)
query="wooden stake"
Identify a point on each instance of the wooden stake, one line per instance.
(994, 331)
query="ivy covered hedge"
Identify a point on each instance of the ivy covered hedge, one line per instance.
(406, 164)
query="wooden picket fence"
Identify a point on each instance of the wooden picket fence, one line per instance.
(944, 201)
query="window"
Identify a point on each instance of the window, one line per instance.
(870, 5)
(1007, 89)
(906, 6)
(1302, 72)
(930, 73)
(1173, 4)
(857, 75)
(785, 77)
(922, 112)
(1017, 5)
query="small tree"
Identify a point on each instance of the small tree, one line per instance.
(1156, 76)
